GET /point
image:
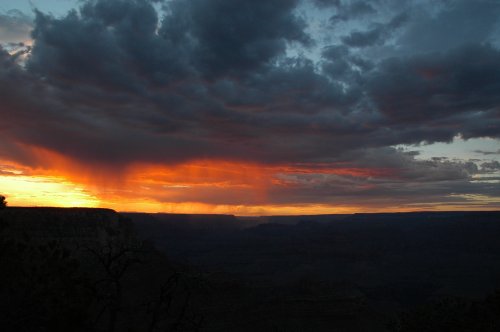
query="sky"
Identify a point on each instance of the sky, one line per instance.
(251, 107)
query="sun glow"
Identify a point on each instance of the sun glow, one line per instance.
(45, 191)
(41, 190)
(221, 187)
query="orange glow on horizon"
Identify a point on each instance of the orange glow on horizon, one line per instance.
(203, 186)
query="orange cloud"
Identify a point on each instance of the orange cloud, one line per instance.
(201, 186)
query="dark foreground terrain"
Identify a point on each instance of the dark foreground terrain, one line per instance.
(96, 270)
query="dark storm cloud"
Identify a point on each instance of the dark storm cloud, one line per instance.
(326, 3)
(341, 64)
(377, 35)
(233, 37)
(447, 90)
(111, 44)
(353, 10)
(490, 166)
(114, 84)
(458, 22)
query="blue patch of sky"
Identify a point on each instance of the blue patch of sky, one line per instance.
(470, 149)
(55, 7)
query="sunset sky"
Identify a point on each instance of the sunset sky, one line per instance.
(251, 107)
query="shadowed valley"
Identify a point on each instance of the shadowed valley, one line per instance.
(98, 270)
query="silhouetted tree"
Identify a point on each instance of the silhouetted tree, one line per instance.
(113, 284)
(119, 268)
(114, 259)
(3, 202)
